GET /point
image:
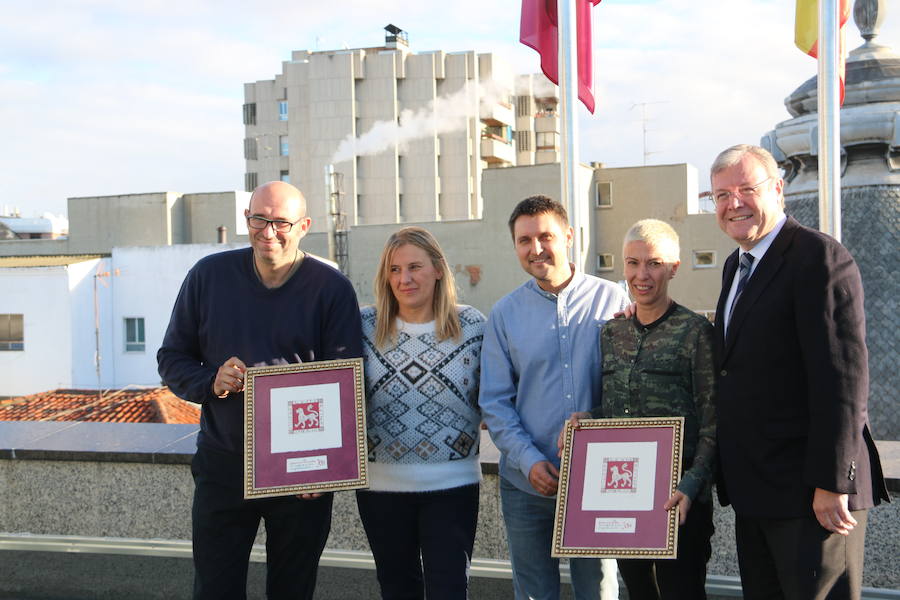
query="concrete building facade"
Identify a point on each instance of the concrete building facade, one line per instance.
(481, 251)
(73, 309)
(136, 286)
(46, 322)
(410, 133)
(97, 224)
(618, 197)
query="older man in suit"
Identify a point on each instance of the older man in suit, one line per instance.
(798, 462)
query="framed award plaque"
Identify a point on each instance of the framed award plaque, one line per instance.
(614, 478)
(304, 428)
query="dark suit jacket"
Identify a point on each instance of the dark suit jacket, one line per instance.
(793, 381)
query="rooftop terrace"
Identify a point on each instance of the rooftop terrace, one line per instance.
(102, 510)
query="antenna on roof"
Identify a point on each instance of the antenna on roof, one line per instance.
(99, 276)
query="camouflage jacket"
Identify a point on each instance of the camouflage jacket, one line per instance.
(665, 370)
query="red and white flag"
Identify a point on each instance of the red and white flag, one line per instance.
(539, 30)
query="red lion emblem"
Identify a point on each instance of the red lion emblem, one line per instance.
(306, 416)
(620, 475)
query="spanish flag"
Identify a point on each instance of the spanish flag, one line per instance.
(806, 31)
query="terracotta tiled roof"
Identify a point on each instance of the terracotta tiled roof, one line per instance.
(141, 405)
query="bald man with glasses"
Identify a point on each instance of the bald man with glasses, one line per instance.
(263, 305)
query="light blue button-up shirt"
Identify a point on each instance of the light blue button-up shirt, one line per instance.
(540, 363)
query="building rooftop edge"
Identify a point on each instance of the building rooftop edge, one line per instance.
(155, 193)
(161, 442)
(46, 260)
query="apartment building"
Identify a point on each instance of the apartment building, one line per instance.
(409, 133)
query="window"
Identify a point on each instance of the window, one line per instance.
(605, 262)
(284, 147)
(704, 259)
(285, 176)
(250, 180)
(250, 114)
(502, 133)
(604, 194)
(134, 334)
(282, 110)
(547, 140)
(12, 332)
(250, 149)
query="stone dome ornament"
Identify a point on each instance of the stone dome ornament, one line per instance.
(868, 18)
(869, 116)
(870, 193)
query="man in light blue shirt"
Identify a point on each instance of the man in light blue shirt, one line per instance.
(541, 363)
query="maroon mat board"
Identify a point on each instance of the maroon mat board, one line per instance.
(304, 429)
(615, 476)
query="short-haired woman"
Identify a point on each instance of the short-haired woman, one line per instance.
(422, 352)
(659, 363)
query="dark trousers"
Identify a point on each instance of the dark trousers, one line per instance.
(422, 541)
(225, 525)
(682, 578)
(797, 559)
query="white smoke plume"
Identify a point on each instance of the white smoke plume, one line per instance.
(543, 87)
(442, 115)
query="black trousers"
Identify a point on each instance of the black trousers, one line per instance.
(422, 541)
(682, 578)
(224, 526)
(797, 559)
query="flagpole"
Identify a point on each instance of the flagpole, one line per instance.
(829, 120)
(568, 97)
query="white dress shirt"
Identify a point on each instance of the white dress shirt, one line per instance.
(757, 252)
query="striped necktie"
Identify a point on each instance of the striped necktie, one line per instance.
(746, 264)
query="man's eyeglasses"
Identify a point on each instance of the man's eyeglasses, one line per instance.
(280, 226)
(750, 192)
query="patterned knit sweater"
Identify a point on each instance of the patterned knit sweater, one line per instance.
(422, 405)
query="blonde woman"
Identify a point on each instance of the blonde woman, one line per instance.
(422, 352)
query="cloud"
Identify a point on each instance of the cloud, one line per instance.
(104, 96)
(126, 139)
(707, 83)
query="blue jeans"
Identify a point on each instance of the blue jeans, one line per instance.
(529, 531)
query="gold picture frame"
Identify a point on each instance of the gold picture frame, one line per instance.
(304, 428)
(615, 475)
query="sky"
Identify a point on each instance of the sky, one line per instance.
(102, 97)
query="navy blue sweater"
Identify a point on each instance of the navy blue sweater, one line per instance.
(223, 310)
